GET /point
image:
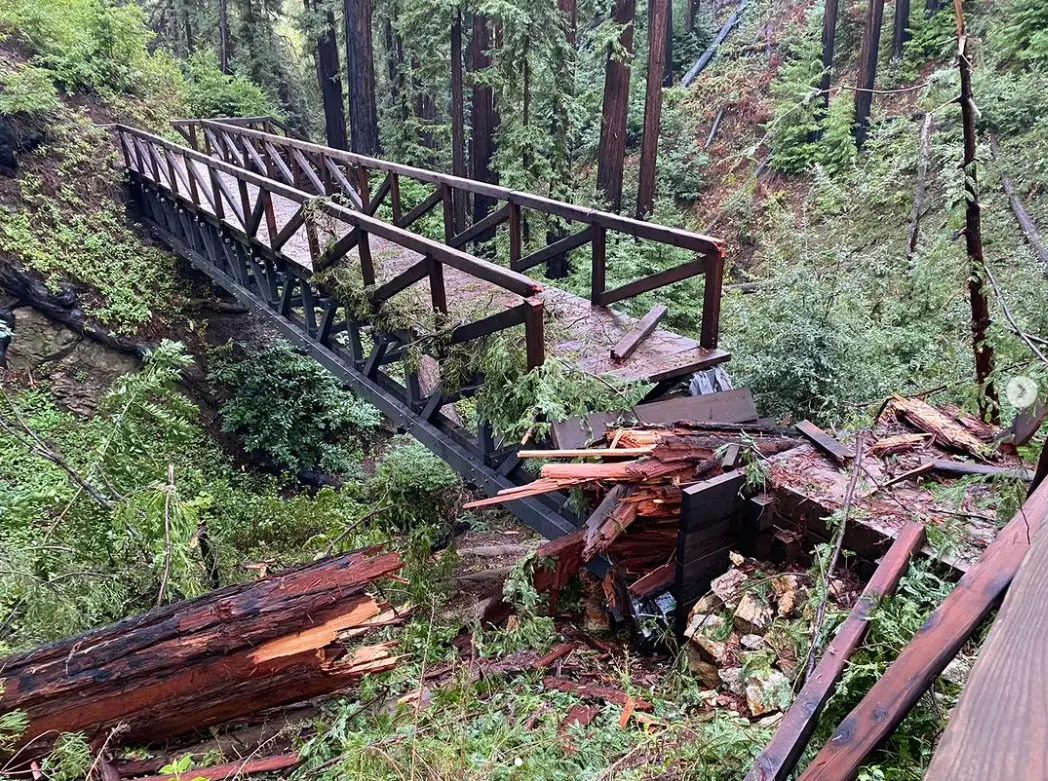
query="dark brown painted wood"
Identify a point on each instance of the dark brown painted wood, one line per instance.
(611, 156)
(935, 644)
(781, 755)
(654, 281)
(631, 341)
(825, 442)
(567, 244)
(534, 332)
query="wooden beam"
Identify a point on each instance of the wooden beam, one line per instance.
(494, 219)
(567, 244)
(654, 281)
(437, 196)
(630, 342)
(937, 642)
(780, 756)
(825, 442)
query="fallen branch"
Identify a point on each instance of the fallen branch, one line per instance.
(245, 767)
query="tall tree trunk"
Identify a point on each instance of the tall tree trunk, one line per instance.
(612, 155)
(425, 109)
(560, 183)
(485, 117)
(691, 14)
(871, 41)
(223, 35)
(329, 74)
(931, 7)
(188, 25)
(458, 122)
(360, 68)
(652, 109)
(829, 39)
(988, 405)
(901, 29)
(667, 78)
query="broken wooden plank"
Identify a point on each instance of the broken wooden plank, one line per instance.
(628, 344)
(780, 756)
(603, 534)
(655, 582)
(597, 452)
(244, 767)
(595, 522)
(937, 642)
(180, 667)
(963, 468)
(825, 442)
(898, 443)
(998, 729)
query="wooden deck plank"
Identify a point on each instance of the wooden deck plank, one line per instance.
(999, 729)
(577, 332)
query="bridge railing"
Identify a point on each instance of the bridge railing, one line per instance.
(326, 171)
(240, 202)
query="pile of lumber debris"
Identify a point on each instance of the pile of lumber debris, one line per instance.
(282, 639)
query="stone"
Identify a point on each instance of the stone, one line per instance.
(752, 642)
(728, 587)
(38, 340)
(732, 679)
(701, 631)
(767, 691)
(704, 623)
(787, 604)
(82, 378)
(736, 558)
(705, 672)
(714, 650)
(710, 603)
(752, 616)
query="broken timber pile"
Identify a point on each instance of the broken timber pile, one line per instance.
(193, 664)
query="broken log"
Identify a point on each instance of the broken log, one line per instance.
(628, 344)
(780, 756)
(946, 431)
(986, 470)
(1026, 223)
(936, 643)
(707, 55)
(193, 664)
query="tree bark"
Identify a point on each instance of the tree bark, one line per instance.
(193, 664)
(360, 68)
(829, 39)
(871, 41)
(692, 7)
(988, 405)
(223, 35)
(652, 109)
(901, 29)
(329, 76)
(458, 122)
(485, 117)
(923, 162)
(667, 78)
(612, 156)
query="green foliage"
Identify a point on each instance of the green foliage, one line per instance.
(211, 93)
(413, 487)
(1024, 32)
(26, 89)
(291, 409)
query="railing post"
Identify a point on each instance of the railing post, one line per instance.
(394, 197)
(364, 187)
(534, 337)
(216, 193)
(438, 295)
(515, 248)
(448, 198)
(191, 176)
(600, 259)
(367, 267)
(711, 301)
(271, 218)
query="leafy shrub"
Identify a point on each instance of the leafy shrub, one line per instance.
(288, 407)
(1024, 35)
(413, 486)
(26, 90)
(211, 93)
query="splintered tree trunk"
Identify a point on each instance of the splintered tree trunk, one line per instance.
(485, 118)
(360, 68)
(612, 155)
(458, 123)
(829, 39)
(901, 29)
(988, 406)
(193, 664)
(871, 41)
(652, 109)
(223, 35)
(329, 77)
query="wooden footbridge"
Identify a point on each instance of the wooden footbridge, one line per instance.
(263, 214)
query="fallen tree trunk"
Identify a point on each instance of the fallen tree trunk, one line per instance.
(707, 55)
(1026, 223)
(923, 162)
(193, 664)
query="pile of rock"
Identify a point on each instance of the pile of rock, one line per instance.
(742, 640)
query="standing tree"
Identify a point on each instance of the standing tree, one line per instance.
(320, 27)
(360, 68)
(901, 28)
(667, 79)
(612, 155)
(485, 117)
(871, 41)
(988, 404)
(829, 38)
(458, 121)
(691, 14)
(652, 108)
(224, 40)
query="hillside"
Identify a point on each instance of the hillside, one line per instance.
(159, 441)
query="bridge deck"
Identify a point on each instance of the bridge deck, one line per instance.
(577, 332)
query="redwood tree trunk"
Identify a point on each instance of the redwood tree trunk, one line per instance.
(360, 68)
(829, 38)
(692, 8)
(329, 77)
(667, 79)
(652, 109)
(458, 122)
(485, 117)
(192, 664)
(988, 405)
(612, 154)
(901, 29)
(223, 35)
(871, 41)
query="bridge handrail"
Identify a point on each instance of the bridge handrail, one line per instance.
(134, 142)
(220, 137)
